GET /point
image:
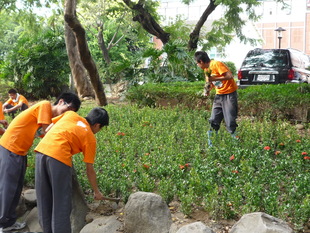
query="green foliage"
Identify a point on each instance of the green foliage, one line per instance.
(284, 101)
(150, 94)
(37, 64)
(171, 64)
(165, 151)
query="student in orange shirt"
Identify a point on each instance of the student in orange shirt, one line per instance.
(225, 104)
(2, 120)
(70, 135)
(14, 146)
(15, 103)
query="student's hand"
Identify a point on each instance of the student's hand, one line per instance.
(98, 196)
(4, 123)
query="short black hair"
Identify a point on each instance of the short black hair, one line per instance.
(98, 115)
(70, 98)
(202, 56)
(12, 91)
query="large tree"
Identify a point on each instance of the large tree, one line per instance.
(84, 53)
(222, 29)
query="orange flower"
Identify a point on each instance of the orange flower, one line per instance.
(267, 148)
(146, 154)
(187, 165)
(304, 153)
(277, 152)
(235, 171)
(307, 157)
(146, 166)
(232, 157)
(298, 140)
(181, 167)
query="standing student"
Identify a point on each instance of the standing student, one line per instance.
(14, 146)
(225, 104)
(15, 103)
(70, 135)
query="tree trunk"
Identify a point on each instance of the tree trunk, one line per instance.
(147, 21)
(194, 36)
(103, 47)
(86, 58)
(81, 80)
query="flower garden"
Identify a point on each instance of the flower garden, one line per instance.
(165, 151)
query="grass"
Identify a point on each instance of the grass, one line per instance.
(165, 151)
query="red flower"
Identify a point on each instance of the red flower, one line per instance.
(304, 153)
(120, 134)
(298, 140)
(267, 148)
(187, 165)
(277, 152)
(307, 157)
(235, 171)
(146, 166)
(232, 157)
(181, 167)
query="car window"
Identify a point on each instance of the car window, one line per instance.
(266, 58)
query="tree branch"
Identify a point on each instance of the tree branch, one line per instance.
(194, 36)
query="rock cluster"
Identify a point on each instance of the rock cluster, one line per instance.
(146, 213)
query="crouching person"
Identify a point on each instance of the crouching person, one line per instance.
(69, 135)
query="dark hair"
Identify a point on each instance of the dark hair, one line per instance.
(98, 115)
(70, 98)
(202, 56)
(12, 91)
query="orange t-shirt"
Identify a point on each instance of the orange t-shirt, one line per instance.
(21, 99)
(221, 87)
(1, 112)
(19, 136)
(70, 135)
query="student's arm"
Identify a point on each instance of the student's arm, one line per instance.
(7, 110)
(92, 178)
(225, 76)
(3, 106)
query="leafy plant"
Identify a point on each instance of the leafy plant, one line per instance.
(165, 151)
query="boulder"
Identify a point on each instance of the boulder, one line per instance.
(146, 213)
(259, 222)
(33, 221)
(103, 225)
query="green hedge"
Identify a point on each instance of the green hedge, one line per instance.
(283, 101)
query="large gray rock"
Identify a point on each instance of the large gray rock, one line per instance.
(260, 223)
(33, 221)
(79, 206)
(103, 225)
(196, 227)
(146, 213)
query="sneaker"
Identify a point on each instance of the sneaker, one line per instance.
(15, 226)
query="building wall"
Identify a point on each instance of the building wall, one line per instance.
(295, 20)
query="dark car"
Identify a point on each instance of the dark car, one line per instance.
(273, 66)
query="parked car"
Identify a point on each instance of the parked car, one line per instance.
(274, 66)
